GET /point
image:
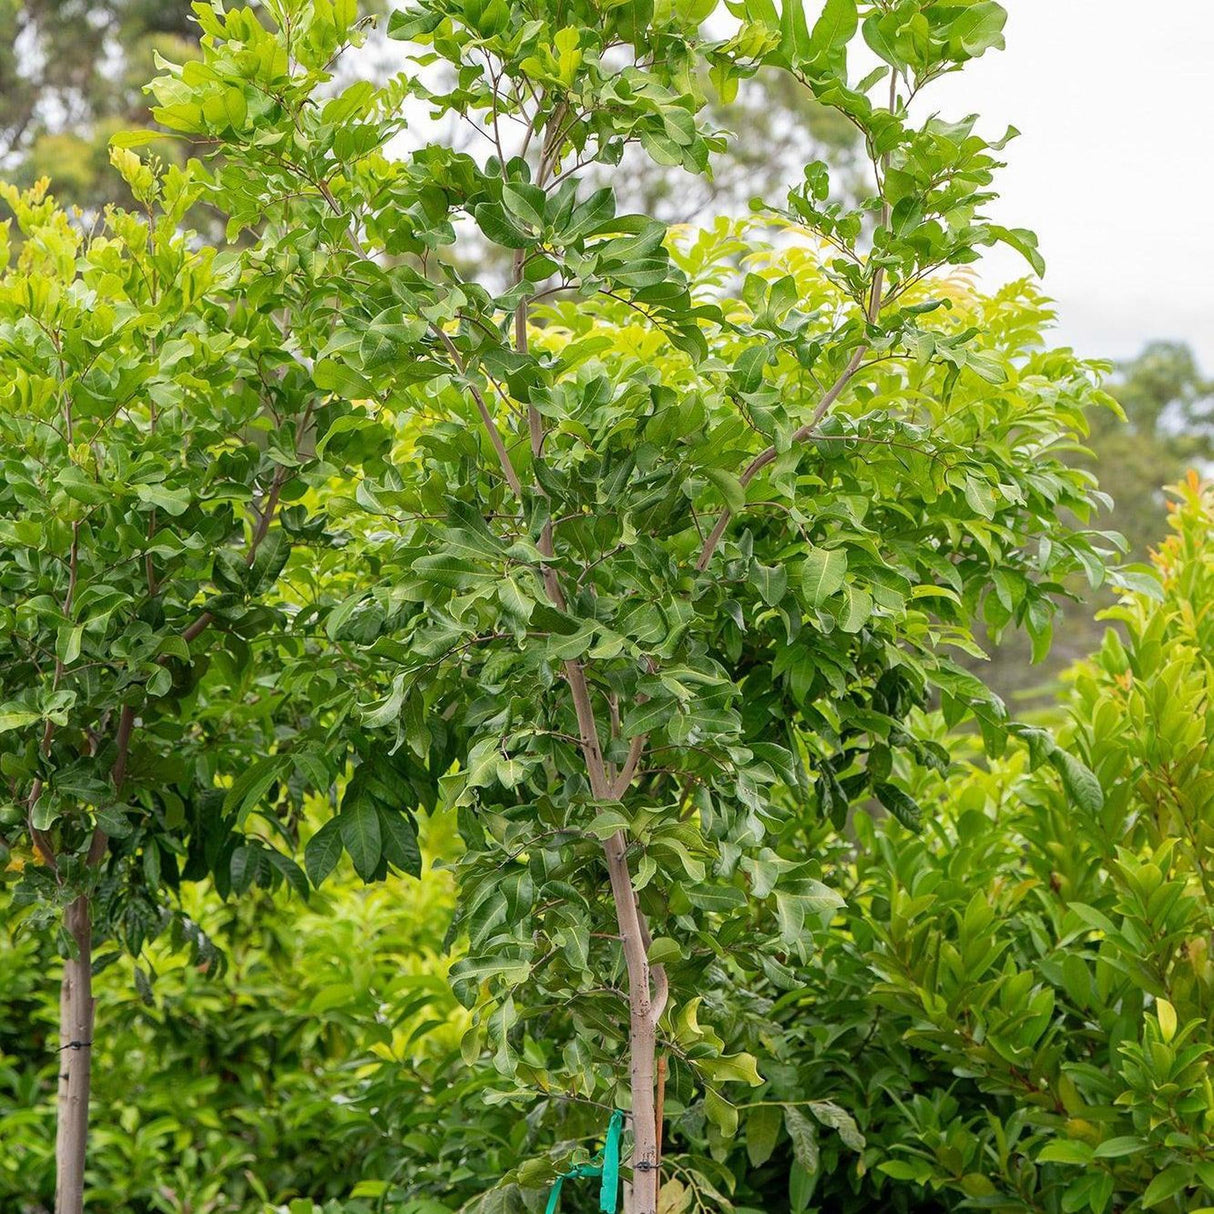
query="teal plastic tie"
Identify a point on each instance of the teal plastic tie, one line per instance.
(607, 1166)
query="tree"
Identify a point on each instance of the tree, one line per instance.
(1168, 429)
(625, 566)
(156, 462)
(1161, 431)
(70, 76)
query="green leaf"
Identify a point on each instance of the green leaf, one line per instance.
(1118, 1148)
(1080, 782)
(979, 27)
(332, 376)
(389, 709)
(44, 813)
(822, 574)
(81, 487)
(1167, 1184)
(390, 338)
(526, 202)
(322, 852)
(361, 835)
(1023, 241)
(856, 610)
(762, 1133)
(17, 718)
(493, 221)
(901, 804)
(771, 582)
(453, 572)
(804, 1138)
(160, 684)
(734, 1068)
(839, 1120)
(248, 790)
(399, 834)
(730, 488)
(664, 950)
(1165, 1013)
(833, 29)
(171, 501)
(794, 32)
(269, 561)
(290, 871)
(67, 644)
(901, 1169)
(716, 897)
(406, 25)
(801, 1185)
(1066, 1151)
(721, 1113)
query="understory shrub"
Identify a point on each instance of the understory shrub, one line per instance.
(1016, 1004)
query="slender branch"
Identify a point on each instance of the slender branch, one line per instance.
(126, 724)
(265, 519)
(635, 750)
(266, 513)
(661, 986)
(872, 312)
(198, 627)
(495, 435)
(765, 457)
(535, 423)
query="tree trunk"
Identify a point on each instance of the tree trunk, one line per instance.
(642, 1033)
(75, 1061)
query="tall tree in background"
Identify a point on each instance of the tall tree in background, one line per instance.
(1168, 429)
(71, 74)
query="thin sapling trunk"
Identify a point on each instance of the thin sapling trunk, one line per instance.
(75, 1061)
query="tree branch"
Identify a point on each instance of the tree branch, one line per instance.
(635, 750)
(765, 457)
(871, 312)
(495, 435)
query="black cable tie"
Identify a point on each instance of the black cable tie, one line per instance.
(644, 1165)
(75, 1045)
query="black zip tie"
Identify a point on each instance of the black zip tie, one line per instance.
(75, 1045)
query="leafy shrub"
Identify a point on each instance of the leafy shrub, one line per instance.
(215, 1096)
(1016, 1005)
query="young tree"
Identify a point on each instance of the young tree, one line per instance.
(155, 458)
(640, 541)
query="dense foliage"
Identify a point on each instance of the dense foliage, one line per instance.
(642, 555)
(644, 559)
(1012, 1006)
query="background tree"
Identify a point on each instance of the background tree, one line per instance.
(71, 74)
(1169, 429)
(157, 458)
(1163, 431)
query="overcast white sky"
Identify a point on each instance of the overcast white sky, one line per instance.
(1114, 166)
